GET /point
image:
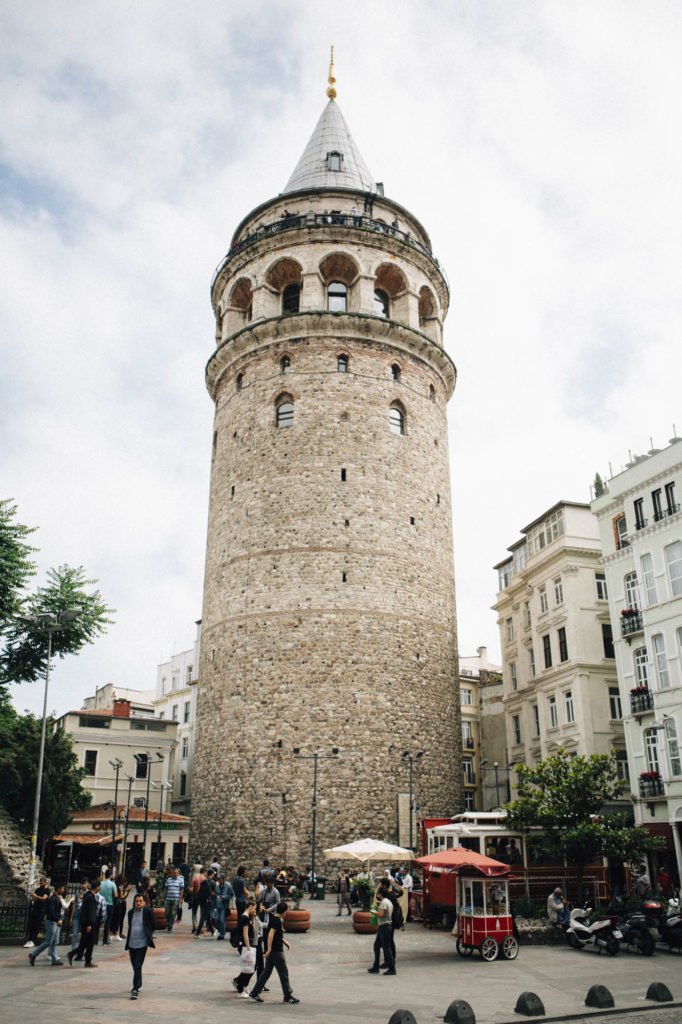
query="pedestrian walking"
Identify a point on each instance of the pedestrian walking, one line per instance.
(88, 921)
(206, 900)
(247, 933)
(109, 892)
(174, 887)
(241, 893)
(76, 925)
(274, 958)
(382, 941)
(53, 924)
(121, 908)
(39, 898)
(223, 898)
(343, 892)
(198, 877)
(140, 939)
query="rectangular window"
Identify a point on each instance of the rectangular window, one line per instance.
(602, 592)
(468, 766)
(661, 662)
(531, 662)
(466, 696)
(568, 706)
(673, 747)
(469, 799)
(512, 675)
(640, 521)
(657, 504)
(553, 714)
(183, 783)
(544, 604)
(547, 650)
(90, 762)
(516, 728)
(185, 713)
(622, 765)
(652, 756)
(620, 527)
(631, 591)
(164, 685)
(141, 765)
(641, 660)
(673, 557)
(647, 563)
(526, 615)
(509, 628)
(671, 505)
(176, 679)
(536, 719)
(615, 706)
(188, 674)
(607, 640)
(174, 713)
(185, 746)
(558, 591)
(504, 575)
(563, 646)
(467, 735)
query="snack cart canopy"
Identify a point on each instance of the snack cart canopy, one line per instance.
(450, 861)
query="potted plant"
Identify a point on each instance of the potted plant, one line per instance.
(361, 918)
(295, 919)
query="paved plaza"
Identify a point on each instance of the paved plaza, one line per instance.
(189, 979)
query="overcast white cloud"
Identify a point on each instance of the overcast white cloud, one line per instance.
(537, 141)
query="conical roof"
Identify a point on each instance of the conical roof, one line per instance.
(315, 169)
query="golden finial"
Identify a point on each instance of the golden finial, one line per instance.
(331, 89)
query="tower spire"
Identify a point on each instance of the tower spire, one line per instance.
(331, 88)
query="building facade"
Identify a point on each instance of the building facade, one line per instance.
(176, 700)
(640, 525)
(328, 627)
(560, 681)
(477, 677)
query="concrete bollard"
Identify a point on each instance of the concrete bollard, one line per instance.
(530, 1005)
(459, 1012)
(402, 1017)
(599, 997)
(659, 992)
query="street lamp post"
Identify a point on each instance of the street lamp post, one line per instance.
(411, 758)
(44, 623)
(116, 764)
(314, 757)
(125, 831)
(162, 786)
(146, 759)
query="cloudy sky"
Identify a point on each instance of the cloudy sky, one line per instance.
(537, 141)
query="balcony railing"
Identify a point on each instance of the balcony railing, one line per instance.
(651, 788)
(663, 513)
(469, 743)
(641, 524)
(641, 702)
(631, 623)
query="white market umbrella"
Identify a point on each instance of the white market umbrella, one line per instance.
(368, 850)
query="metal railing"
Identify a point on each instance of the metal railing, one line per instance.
(14, 919)
(641, 702)
(325, 220)
(649, 788)
(630, 624)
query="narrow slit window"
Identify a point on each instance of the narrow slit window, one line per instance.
(285, 411)
(342, 363)
(396, 420)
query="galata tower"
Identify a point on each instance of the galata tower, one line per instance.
(328, 624)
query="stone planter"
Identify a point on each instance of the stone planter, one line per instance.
(160, 918)
(296, 920)
(361, 923)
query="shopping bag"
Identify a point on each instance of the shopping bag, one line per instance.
(248, 960)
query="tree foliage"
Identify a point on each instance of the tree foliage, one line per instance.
(24, 655)
(565, 797)
(61, 790)
(16, 566)
(598, 485)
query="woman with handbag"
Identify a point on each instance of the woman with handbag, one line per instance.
(247, 949)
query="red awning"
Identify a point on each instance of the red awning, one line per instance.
(449, 861)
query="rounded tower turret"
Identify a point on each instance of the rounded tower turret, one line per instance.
(329, 610)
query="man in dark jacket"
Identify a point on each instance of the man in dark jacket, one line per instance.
(53, 924)
(140, 938)
(88, 922)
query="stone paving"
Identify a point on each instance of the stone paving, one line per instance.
(188, 978)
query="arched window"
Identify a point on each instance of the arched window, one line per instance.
(631, 590)
(342, 363)
(239, 382)
(641, 661)
(396, 419)
(337, 297)
(380, 302)
(284, 407)
(285, 364)
(291, 298)
(395, 371)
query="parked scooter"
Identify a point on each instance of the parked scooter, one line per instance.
(600, 933)
(654, 920)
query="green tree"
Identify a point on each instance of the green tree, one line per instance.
(599, 486)
(62, 792)
(16, 567)
(564, 798)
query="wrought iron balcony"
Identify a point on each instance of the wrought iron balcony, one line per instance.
(641, 702)
(631, 623)
(651, 788)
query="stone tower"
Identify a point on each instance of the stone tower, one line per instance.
(329, 606)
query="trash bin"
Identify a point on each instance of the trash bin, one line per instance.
(319, 888)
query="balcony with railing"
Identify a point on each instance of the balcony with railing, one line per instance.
(651, 786)
(641, 700)
(663, 513)
(631, 621)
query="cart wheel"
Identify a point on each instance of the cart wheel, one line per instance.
(464, 950)
(489, 949)
(510, 948)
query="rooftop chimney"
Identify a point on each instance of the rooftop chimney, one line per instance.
(121, 708)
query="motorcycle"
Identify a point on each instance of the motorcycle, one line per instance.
(653, 921)
(601, 933)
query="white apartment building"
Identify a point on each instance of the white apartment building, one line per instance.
(560, 682)
(175, 700)
(640, 525)
(477, 676)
